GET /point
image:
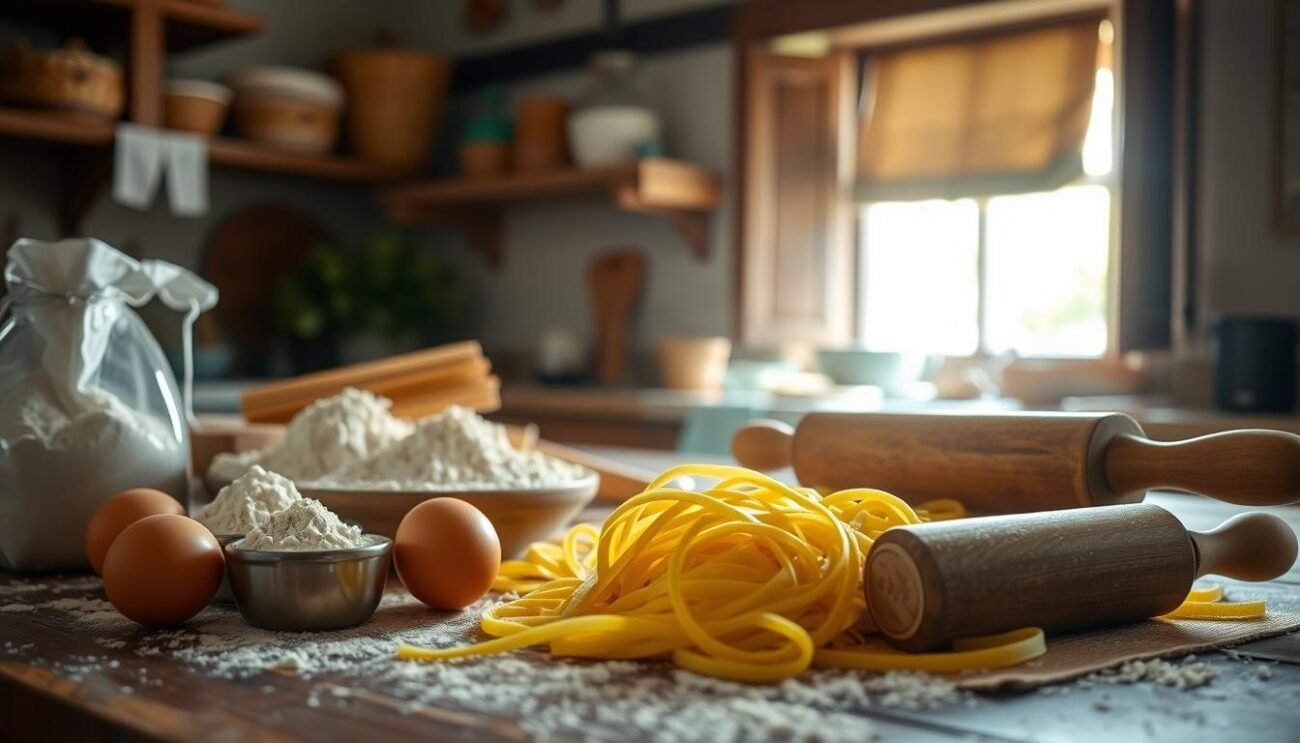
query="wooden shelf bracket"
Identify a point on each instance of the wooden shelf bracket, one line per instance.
(682, 193)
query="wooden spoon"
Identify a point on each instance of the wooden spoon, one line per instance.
(617, 278)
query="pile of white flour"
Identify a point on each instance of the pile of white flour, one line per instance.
(268, 510)
(248, 502)
(456, 450)
(327, 434)
(57, 465)
(351, 440)
(305, 524)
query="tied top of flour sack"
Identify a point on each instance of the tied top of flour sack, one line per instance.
(304, 525)
(248, 502)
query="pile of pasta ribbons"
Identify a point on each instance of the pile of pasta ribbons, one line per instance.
(749, 580)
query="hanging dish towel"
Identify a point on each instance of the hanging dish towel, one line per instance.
(144, 153)
(137, 165)
(187, 173)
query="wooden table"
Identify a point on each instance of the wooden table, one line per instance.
(49, 692)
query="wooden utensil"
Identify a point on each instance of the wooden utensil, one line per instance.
(929, 584)
(617, 278)
(1022, 462)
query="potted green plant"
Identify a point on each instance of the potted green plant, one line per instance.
(405, 298)
(312, 307)
(345, 306)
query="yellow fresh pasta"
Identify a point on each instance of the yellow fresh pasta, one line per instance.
(750, 580)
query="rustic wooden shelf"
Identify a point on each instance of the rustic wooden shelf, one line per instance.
(186, 23)
(683, 193)
(83, 145)
(235, 153)
(55, 126)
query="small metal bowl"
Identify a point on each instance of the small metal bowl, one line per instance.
(224, 595)
(309, 590)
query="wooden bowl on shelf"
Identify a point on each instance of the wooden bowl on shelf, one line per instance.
(288, 108)
(196, 106)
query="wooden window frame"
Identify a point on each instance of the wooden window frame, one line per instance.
(1147, 203)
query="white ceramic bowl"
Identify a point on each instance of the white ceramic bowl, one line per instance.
(604, 135)
(891, 371)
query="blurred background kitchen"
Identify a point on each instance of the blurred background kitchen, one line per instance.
(662, 218)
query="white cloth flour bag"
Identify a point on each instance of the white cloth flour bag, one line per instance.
(88, 404)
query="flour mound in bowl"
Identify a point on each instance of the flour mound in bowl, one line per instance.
(456, 450)
(324, 436)
(248, 502)
(306, 524)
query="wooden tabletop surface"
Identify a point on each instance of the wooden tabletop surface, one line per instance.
(60, 681)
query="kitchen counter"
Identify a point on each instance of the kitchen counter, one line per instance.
(63, 676)
(654, 418)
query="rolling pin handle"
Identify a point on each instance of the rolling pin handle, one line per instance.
(1249, 546)
(764, 445)
(1253, 467)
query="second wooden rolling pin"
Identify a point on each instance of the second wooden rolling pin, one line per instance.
(929, 584)
(1022, 462)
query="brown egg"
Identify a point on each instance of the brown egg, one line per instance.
(119, 512)
(447, 553)
(163, 569)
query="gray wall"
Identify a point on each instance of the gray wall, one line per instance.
(1246, 265)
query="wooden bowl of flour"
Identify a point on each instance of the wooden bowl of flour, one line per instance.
(520, 516)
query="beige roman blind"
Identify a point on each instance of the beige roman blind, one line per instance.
(992, 115)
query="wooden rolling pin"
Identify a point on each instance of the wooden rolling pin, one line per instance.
(929, 584)
(1022, 462)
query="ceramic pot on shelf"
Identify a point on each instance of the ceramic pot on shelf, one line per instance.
(612, 122)
(395, 99)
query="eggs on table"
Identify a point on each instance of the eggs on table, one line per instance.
(161, 568)
(119, 512)
(446, 553)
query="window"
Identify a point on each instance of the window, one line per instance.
(1028, 273)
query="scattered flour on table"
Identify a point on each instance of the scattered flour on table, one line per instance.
(305, 524)
(549, 698)
(325, 435)
(248, 501)
(455, 450)
(1189, 674)
(65, 454)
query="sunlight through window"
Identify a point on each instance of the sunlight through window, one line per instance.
(1046, 264)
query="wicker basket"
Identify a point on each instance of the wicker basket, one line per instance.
(71, 78)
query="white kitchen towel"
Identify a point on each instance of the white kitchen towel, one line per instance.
(137, 165)
(144, 153)
(187, 174)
